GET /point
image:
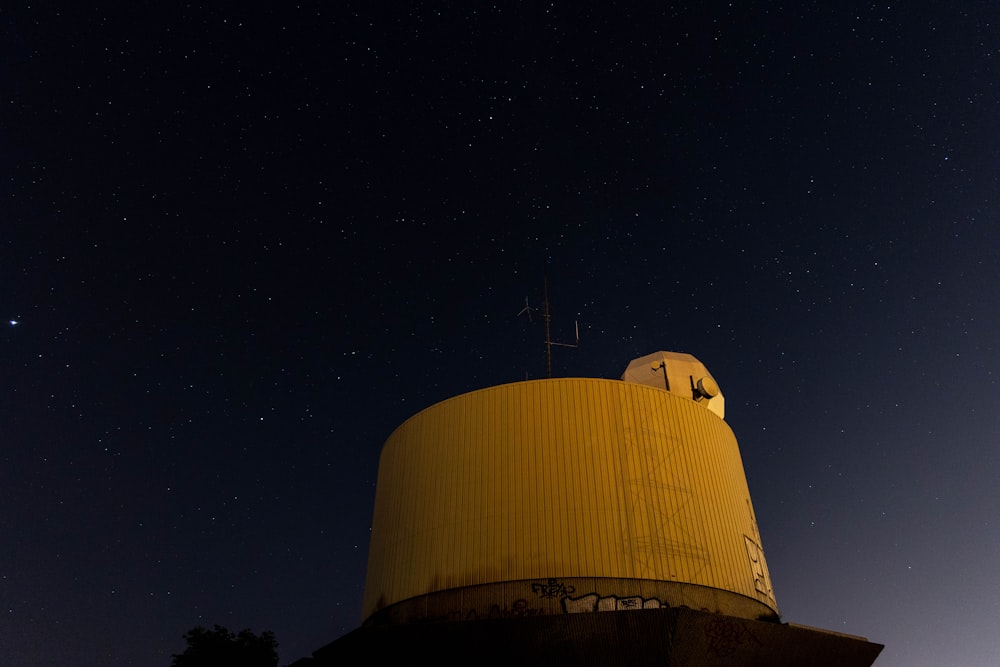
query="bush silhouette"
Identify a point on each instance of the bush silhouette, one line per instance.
(219, 647)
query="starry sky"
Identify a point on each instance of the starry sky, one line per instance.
(241, 242)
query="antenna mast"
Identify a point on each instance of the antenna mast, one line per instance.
(547, 316)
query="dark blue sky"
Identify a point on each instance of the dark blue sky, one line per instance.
(243, 244)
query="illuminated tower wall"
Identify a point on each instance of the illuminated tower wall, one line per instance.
(564, 496)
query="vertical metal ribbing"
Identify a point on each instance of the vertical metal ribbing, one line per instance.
(566, 478)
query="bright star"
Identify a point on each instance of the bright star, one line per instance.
(13, 323)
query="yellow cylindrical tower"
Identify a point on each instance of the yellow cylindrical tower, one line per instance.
(567, 495)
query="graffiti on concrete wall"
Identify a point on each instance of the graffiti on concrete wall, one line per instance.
(556, 589)
(552, 596)
(595, 602)
(727, 636)
(552, 588)
(518, 609)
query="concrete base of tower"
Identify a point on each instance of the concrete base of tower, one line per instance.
(567, 595)
(671, 637)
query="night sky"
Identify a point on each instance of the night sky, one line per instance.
(240, 245)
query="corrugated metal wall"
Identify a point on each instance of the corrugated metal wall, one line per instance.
(562, 478)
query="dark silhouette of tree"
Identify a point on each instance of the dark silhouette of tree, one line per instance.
(220, 647)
